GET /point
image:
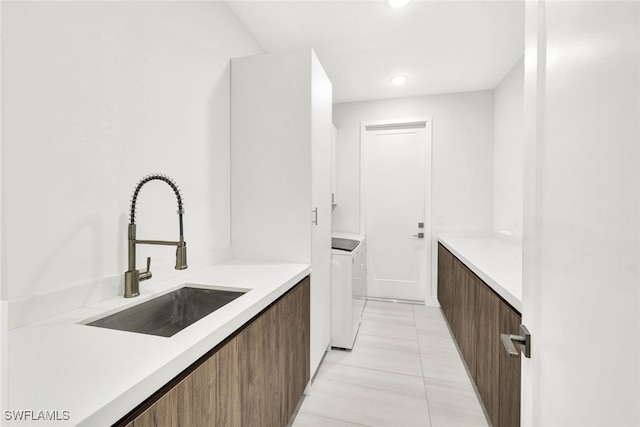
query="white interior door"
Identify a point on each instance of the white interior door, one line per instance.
(395, 171)
(581, 259)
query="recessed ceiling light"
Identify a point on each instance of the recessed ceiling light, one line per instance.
(397, 3)
(399, 80)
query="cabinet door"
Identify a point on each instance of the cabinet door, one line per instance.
(199, 397)
(445, 290)
(509, 371)
(293, 320)
(488, 346)
(466, 316)
(163, 412)
(274, 360)
(209, 396)
(463, 299)
(260, 371)
(192, 402)
(457, 287)
(228, 395)
(457, 299)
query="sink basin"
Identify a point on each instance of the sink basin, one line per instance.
(168, 314)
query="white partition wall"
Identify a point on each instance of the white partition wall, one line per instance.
(4, 315)
(4, 368)
(581, 273)
(281, 171)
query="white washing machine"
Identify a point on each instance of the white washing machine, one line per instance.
(348, 282)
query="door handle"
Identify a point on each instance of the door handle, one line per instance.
(524, 339)
(419, 235)
(315, 216)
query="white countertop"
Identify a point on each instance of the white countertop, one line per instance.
(497, 263)
(99, 375)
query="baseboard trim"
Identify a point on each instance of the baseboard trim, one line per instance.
(432, 301)
(399, 301)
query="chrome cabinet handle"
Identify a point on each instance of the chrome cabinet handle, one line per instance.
(419, 235)
(315, 216)
(524, 339)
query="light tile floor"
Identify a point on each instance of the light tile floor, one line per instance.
(404, 370)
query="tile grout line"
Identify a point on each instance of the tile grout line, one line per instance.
(466, 369)
(333, 419)
(424, 383)
(377, 370)
(385, 336)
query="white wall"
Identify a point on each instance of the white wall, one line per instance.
(462, 161)
(96, 95)
(508, 160)
(462, 157)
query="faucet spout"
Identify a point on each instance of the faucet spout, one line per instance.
(132, 277)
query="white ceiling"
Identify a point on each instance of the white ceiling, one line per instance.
(443, 46)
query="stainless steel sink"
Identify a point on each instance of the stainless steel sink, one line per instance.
(168, 314)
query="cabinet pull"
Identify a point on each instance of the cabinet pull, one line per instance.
(315, 216)
(524, 339)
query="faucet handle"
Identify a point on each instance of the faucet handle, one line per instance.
(147, 274)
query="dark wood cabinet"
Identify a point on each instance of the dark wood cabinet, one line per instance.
(255, 377)
(477, 316)
(260, 371)
(488, 349)
(445, 287)
(228, 394)
(274, 367)
(164, 411)
(465, 298)
(191, 402)
(457, 295)
(294, 348)
(509, 371)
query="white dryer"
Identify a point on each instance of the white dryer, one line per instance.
(348, 282)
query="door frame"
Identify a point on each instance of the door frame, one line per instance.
(430, 295)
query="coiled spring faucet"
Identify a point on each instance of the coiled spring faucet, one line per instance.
(132, 277)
